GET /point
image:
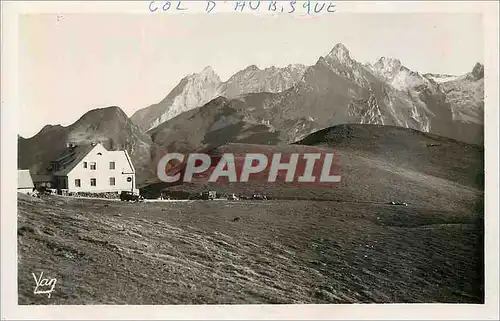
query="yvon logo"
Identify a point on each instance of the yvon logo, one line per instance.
(44, 285)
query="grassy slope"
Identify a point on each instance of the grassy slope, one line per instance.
(277, 252)
(350, 247)
(378, 164)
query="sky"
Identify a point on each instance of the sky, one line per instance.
(72, 63)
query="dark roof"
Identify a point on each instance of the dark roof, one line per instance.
(41, 178)
(72, 157)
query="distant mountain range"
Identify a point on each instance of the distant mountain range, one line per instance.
(466, 95)
(336, 90)
(277, 106)
(198, 89)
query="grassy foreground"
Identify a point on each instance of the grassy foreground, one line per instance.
(221, 252)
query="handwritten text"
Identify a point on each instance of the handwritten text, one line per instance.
(290, 7)
(44, 286)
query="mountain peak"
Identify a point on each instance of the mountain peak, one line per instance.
(252, 67)
(478, 71)
(340, 52)
(388, 62)
(207, 69)
(478, 64)
(207, 74)
(387, 67)
(296, 66)
(105, 114)
(48, 128)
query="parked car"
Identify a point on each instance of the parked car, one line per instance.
(34, 193)
(233, 197)
(42, 190)
(209, 195)
(398, 203)
(130, 196)
(259, 197)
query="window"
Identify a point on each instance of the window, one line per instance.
(93, 166)
(93, 182)
(112, 181)
(78, 183)
(111, 165)
(84, 164)
(100, 154)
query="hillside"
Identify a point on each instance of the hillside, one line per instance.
(378, 164)
(110, 126)
(342, 244)
(35, 153)
(412, 150)
(278, 252)
(219, 122)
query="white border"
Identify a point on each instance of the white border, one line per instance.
(9, 99)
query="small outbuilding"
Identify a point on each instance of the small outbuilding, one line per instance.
(24, 181)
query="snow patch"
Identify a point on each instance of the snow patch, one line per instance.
(442, 78)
